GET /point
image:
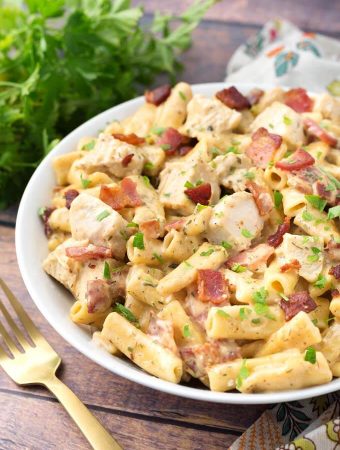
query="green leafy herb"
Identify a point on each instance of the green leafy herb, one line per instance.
(182, 95)
(306, 215)
(249, 175)
(132, 225)
(106, 271)
(287, 120)
(125, 312)
(158, 257)
(41, 211)
(157, 130)
(89, 146)
(277, 199)
(242, 375)
(222, 313)
(233, 149)
(200, 207)
(260, 302)
(316, 201)
(238, 268)
(148, 166)
(208, 252)
(244, 313)
(146, 180)
(256, 321)
(138, 241)
(101, 216)
(84, 182)
(186, 331)
(310, 355)
(188, 185)
(320, 282)
(334, 212)
(315, 255)
(246, 233)
(226, 245)
(124, 234)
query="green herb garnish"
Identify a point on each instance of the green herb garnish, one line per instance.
(106, 271)
(208, 252)
(242, 375)
(186, 331)
(84, 182)
(277, 199)
(158, 257)
(132, 225)
(138, 241)
(334, 212)
(238, 268)
(287, 120)
(320, 282)
(316, 201)
(89, 146)
(222, 313)
(246, 233)
(126, 313)
(226, 245)
(310, 355)
(182, 95)
(103, 215)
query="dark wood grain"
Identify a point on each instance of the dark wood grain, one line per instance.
(111, 394)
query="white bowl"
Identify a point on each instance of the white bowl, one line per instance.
(54, 301)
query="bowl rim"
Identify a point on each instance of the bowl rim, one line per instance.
(104, 359)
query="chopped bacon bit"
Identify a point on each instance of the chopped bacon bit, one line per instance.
(212, 287)
(233, 98)
(171, 140)
(158, 95)
(200, 194)
(176, 225)
(300, 159)
(82, 253)
(91, 266)
(123, 196)
(315, 130)
(300, 301)
(335, 271)
(291, 265)
(252, 258)
(132, 138)
(298, 100)
(44, 217)
(151, 228)
(262, 147)
(262, 197)
(98, 296)
(70, 195)
(254, 96)
(276, 239)
(333, 250)
(198, 357)
(184, 150)
(335, 293)
(127, 159)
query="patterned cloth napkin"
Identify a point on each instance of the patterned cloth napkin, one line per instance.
(282, 54)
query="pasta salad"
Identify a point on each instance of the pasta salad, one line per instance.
(200, 237)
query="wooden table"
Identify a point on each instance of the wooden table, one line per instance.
(140, 418)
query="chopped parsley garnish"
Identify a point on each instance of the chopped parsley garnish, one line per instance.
(310, 355)
(334, 212)
(165, 147)
(226, 245)
(316, 201)
(208, 252)
(315, 255)
(182, 95)
(260, 303)
(277, 199)
(41, 211)
(246, 233)
(146, 180)
(89, 146)
(186, 331)
(200, 207)
(84, 182)
(158, 257)
(157, 130)
(242, 375)
(188, 185)
(106, 271)
(132, 225)
(233, 149)
(238, 268)
(320, 282)
(125, 312)
(306, 215)
(256, 321)
(103, 215)
(287, 120)
(330, 187)
(222, 313)
(244, 313)
(249, 175)
(138, 241)
(148, 166)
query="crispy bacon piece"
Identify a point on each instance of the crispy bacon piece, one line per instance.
(262, 197)
(252, 258)
(233, 98)
(127, 159)
(291, 265)
(70, 195)
(315, 130)
(184, 150)
(98, 296)
(333, 250)
(91, 251)
(200, 194)
(170, 141)
(176, 224)
(298, 100)
(197, 358)
(44, 217)
(123, 196)
(300, 159)
(262, 147)
(254, 96)
(335, 293)
(151, 228)
(132, 138)
(276, 239)
(300, 301)
(212, 287)
(335, 271)
(158, 95)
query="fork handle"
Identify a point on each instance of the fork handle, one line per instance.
(94, 432)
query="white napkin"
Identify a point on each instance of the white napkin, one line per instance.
(282, 54)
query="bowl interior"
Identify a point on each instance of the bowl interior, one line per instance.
(54, 301)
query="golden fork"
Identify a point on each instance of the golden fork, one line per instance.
(37, 364)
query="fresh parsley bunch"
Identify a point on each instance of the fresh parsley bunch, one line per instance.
(63, 61)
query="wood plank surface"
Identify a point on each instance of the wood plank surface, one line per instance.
(111, 395)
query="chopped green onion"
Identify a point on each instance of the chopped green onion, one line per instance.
(89, 146)
(306, 215)
(158, 257)
(146, 180)
(320, 282)
(84, 182)
(310, 355)
(246, 233)
(132, 225)
(182, 95)
(208, 252)
(138, 241)
(103, 215)
(242, 375)
(334, 212)
(316, 201)
(106, 271)
(238, 268)
(277, 199)
(157, 130)
(186, 331)
(287, 120)
(222, 313)
(226, 245)
(126, 313)
(148, 166)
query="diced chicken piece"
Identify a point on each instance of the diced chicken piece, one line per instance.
(59, 220)
(272, 95)
(108, 157)
(92, 219)
(230, 170)
(209, 116)
(235, 219)
(328, 106)
(282, 120)
(172, 185)
(173, 111)
(307, 250)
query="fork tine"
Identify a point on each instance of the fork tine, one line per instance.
(16, 330)
(8, 340)
(25, 320)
